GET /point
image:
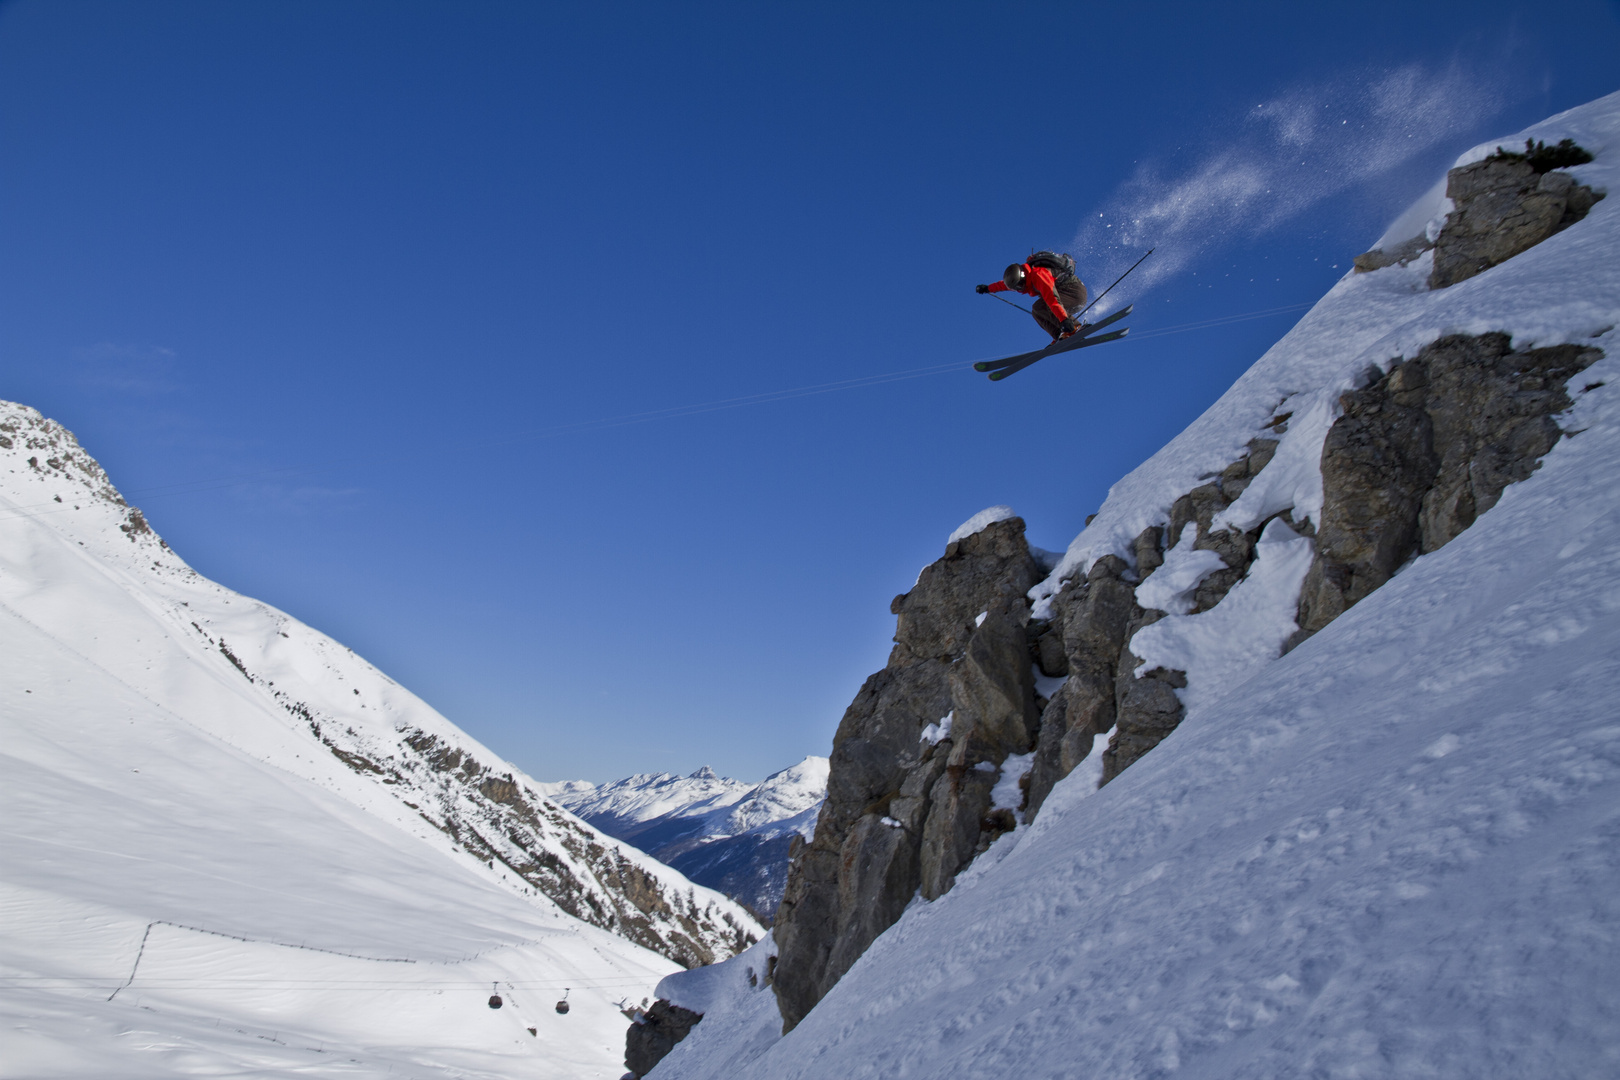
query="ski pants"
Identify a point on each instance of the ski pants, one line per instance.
(1072, 291)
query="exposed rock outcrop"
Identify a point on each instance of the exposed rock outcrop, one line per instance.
(1145, 707)
(1504, 205)
(1423, 450)
(1092, 621)
(1396, 254)
(654, 1035)
(905, 814)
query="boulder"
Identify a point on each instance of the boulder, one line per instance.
(1492, 410)
(1503, 206)
(655, 1034)
(1147, 710)
(1395, 254)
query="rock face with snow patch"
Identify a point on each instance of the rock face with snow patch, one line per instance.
(915, 761)
(654, 1035)
(1505, 205)
(1423, 450)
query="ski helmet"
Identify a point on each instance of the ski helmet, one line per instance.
(1013, 278)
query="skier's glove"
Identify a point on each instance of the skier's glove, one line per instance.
(1070, 325)
(981, 289)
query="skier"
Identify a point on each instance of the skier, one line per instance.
(1051, 278)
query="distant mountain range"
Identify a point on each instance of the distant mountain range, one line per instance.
(729, 835)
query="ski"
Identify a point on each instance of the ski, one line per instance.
(1074, 341)
(1019, 363)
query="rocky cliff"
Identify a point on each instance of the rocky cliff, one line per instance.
(954, 743)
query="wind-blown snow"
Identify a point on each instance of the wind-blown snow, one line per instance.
(1414, 221)
(1393, 852)
(1309, 144)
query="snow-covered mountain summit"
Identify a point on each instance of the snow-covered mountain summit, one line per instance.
(227, 818)
(779, 803)
(726, 834)
(626, 807)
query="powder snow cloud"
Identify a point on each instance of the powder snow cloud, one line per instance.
(1277, 160)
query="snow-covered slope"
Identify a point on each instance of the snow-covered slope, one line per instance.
(728, 835)
(1390, 852)
(276, 856)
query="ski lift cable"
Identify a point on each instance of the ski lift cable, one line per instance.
(176, 983)
(193, 487)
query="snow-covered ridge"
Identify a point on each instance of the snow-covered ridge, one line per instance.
(84, 569)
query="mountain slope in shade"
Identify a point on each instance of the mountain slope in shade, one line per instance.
(260, 847)
(725, 834)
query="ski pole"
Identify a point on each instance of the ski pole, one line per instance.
(1009, 303)
(1110, 288)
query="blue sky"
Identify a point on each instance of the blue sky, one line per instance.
(500, 341)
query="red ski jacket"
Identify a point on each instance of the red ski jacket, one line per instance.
(1038, 281)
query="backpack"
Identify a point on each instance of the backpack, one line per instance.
(1061, 265)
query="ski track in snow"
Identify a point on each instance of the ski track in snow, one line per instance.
(1394, 852)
